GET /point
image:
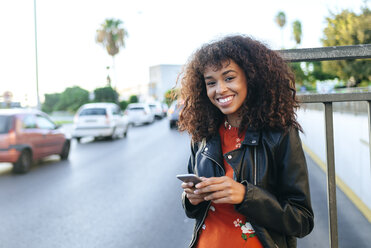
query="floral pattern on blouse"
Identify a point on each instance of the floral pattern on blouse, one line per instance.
(238, 143)
(247, 229)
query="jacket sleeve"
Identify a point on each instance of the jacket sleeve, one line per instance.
(289, 210)
(191, 210)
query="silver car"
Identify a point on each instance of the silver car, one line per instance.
(173, 114)
(140, 113)
(100, 120)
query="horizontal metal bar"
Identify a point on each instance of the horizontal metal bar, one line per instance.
(338, 97)
(327, 53)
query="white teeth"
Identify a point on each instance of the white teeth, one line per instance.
(223, 100)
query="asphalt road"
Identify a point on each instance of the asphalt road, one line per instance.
(120, 193)
(124, 193)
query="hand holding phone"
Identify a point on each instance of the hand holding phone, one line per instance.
(193, 198)
(189, 178)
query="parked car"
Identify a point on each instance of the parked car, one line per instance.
(29, 135)
(173, 114)
(100, 120)
(140, 113)
(165, 108)
(157, 109)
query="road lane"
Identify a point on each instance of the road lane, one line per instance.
(120, 193)
(124, 193)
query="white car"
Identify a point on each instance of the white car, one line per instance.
(139, 113)
(100, 120)
(157, 109)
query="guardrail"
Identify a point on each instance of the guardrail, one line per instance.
(321, 54)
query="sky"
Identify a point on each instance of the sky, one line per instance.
(160, 32)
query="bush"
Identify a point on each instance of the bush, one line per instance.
(133, 99)
(123, 105)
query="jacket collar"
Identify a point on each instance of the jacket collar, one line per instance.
(213, 147)
(252, 137)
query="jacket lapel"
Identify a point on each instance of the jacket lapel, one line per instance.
(213, 149)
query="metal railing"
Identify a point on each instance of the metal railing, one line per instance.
(321, 54)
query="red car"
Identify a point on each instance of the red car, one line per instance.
(29, 135)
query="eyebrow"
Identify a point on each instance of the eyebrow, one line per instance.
(224, 73)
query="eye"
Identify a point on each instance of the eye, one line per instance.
(229, 79)
(210, 83)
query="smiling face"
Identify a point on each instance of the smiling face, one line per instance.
(227, 89)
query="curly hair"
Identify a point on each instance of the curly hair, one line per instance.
(271, 96)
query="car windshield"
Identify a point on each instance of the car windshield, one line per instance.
(5, 122)
(93, 111)
(136, 108)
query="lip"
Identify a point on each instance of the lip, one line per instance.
(225, 100)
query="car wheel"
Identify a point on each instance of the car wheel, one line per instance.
(78, 139)
(23, 163)
(65, 150)
(171, 125)
(114, 135)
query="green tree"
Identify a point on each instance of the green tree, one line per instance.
(123, 105)
(316, 72)
(297, 32)
(133, 99)
(348, 28)
(72, 98)
(111, 36)
(170, 96)
(50, 103)
(280, 19)
(300, 76)
(105, 94)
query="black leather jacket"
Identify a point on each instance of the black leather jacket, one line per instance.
(273, 168)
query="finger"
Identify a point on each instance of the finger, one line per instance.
(222, 200)
(214, 187)
(187, 185)
(189, 190)
(232, 195)
(210, 189)
(211, 180)
(196, 201)
(217, 195)
(193, 196)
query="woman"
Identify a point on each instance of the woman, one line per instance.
(239, 107)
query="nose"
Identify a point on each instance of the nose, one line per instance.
(220, 87)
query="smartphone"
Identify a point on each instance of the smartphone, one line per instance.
(189, 178)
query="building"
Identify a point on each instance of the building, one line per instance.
(161, 79)
(140, 90)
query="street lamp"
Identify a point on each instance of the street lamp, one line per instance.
(37, 66)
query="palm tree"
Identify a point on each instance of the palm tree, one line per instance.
(296, 29)
(281, 21)
(112, 36)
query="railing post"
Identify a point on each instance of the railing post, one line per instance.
(331, 182)
(369, 130)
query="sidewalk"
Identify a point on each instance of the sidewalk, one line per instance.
(353, 228)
